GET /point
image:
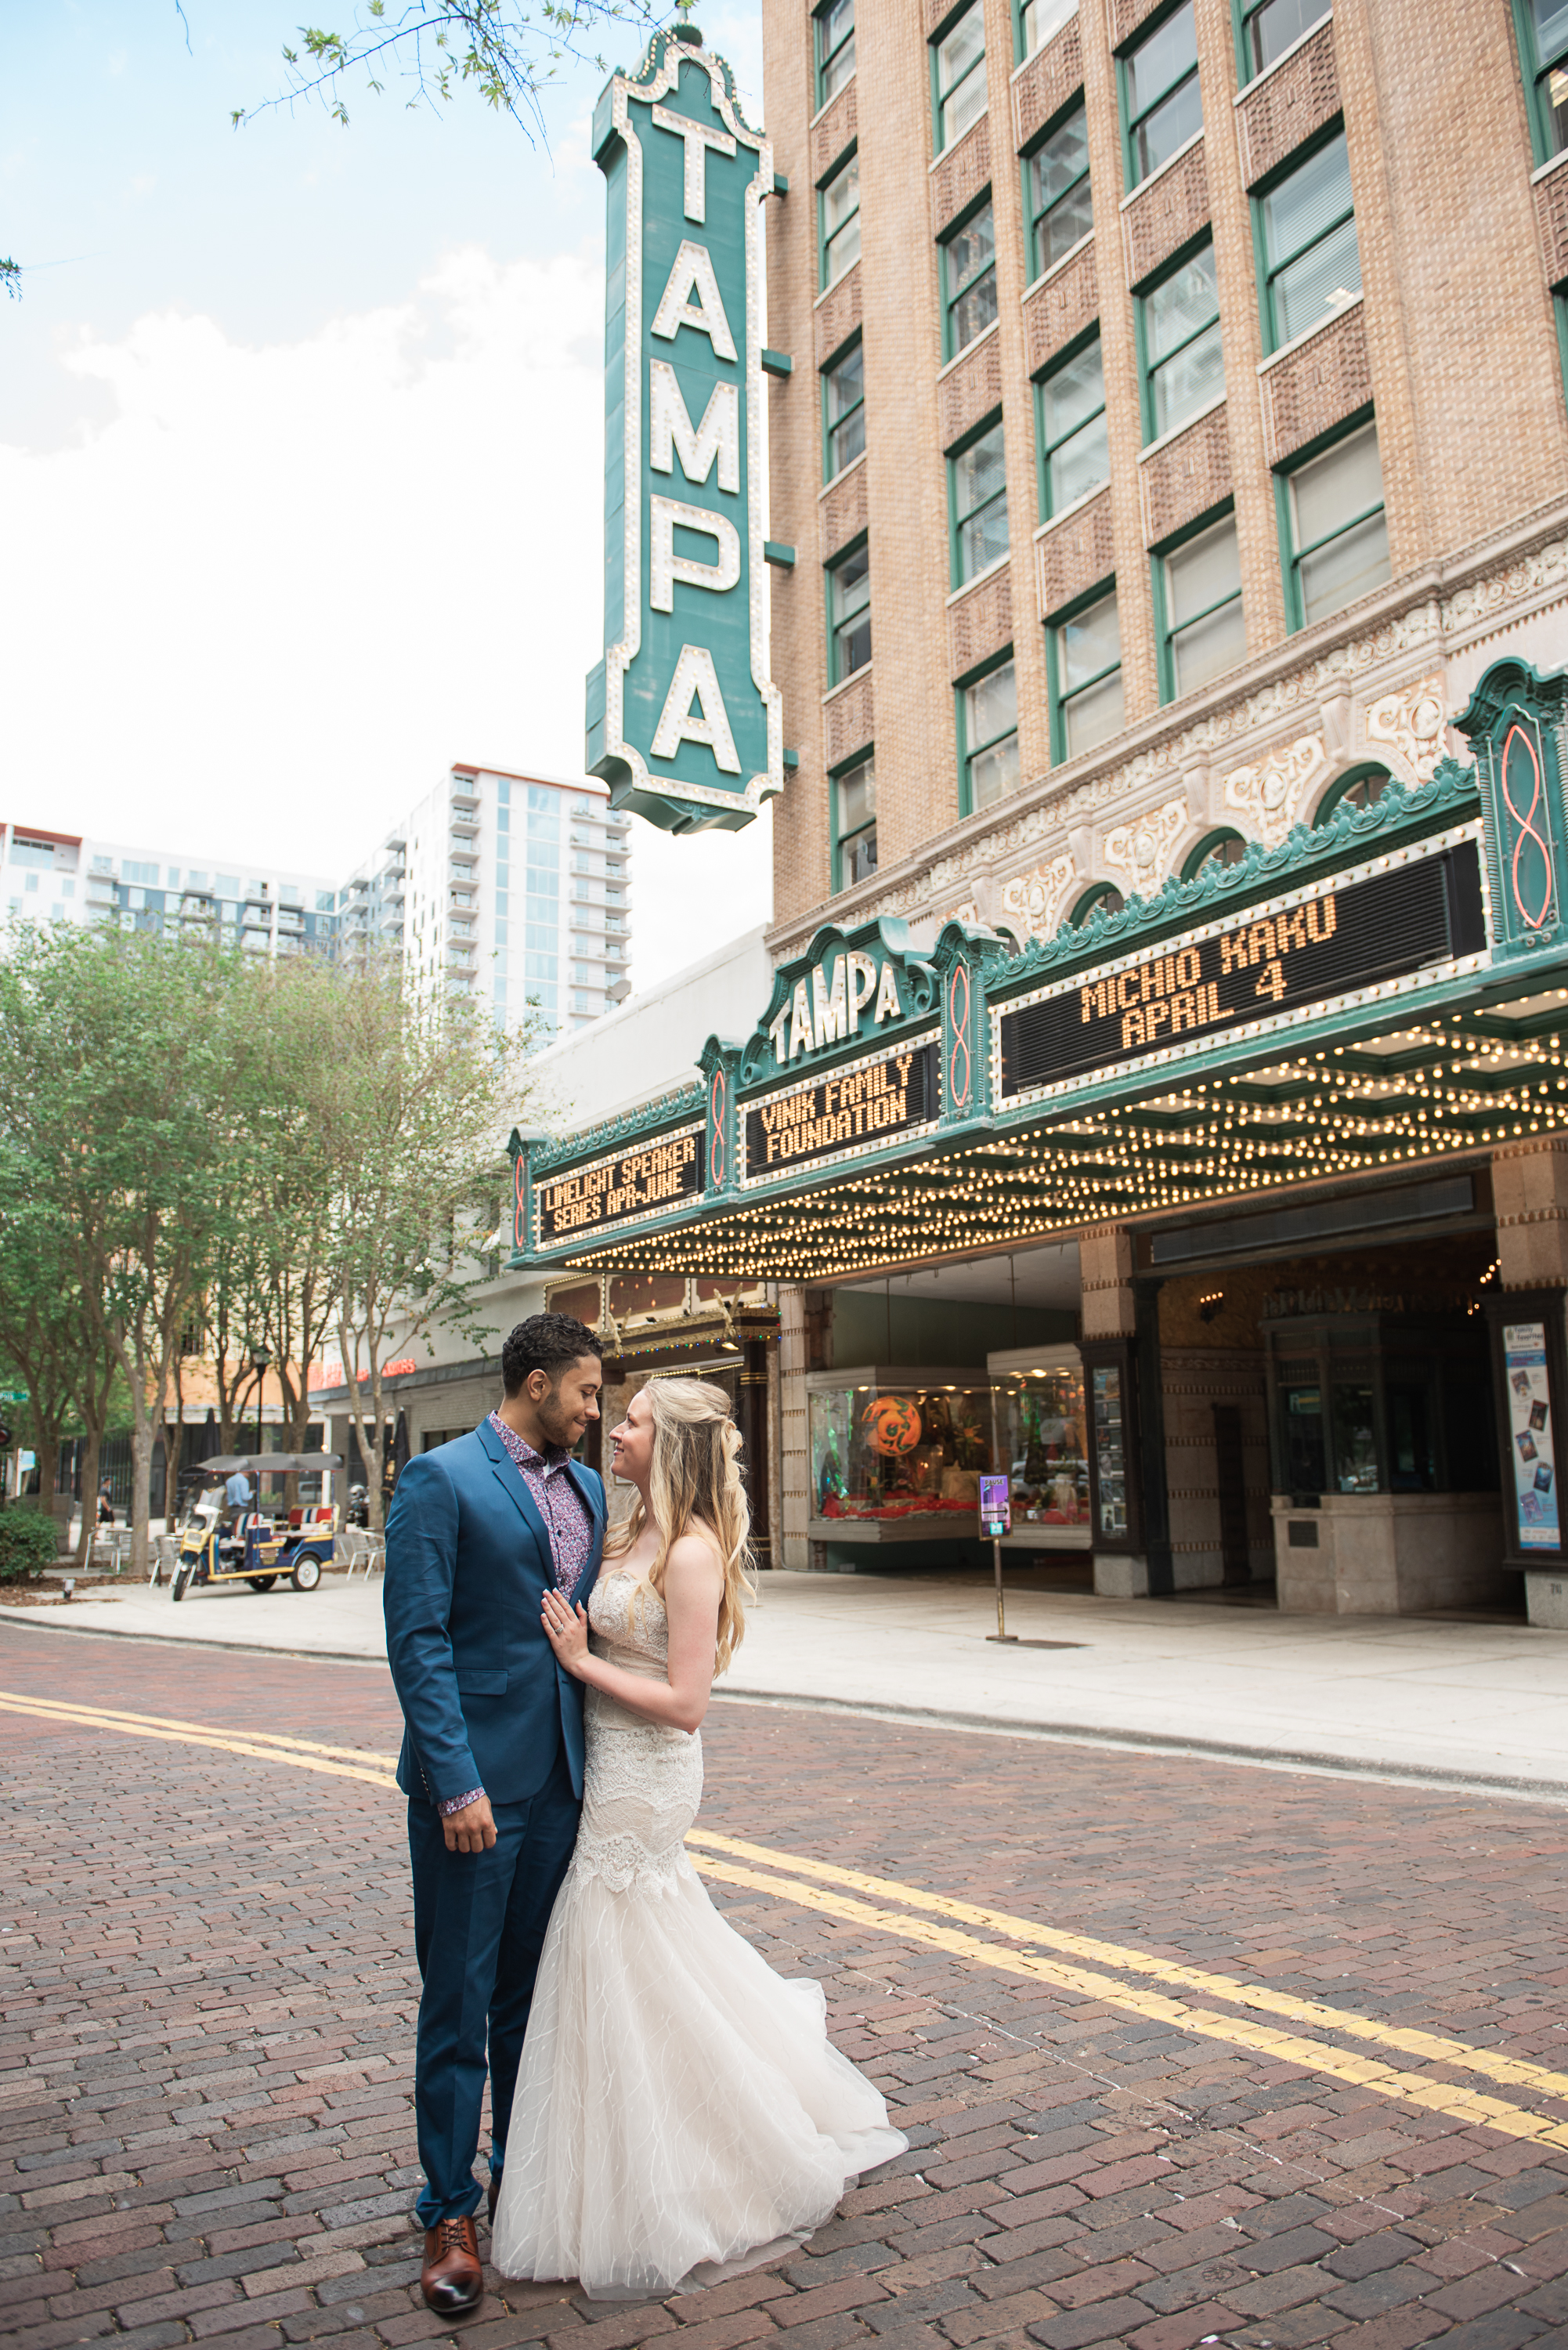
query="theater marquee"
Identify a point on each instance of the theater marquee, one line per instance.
(684, 723)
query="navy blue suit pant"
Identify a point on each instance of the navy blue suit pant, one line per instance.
(479, 1928)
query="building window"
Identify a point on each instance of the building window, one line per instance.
(1037, 20)
(1312, 263)
(1335, 530)
(1162, 107)
(844, 412)
(977, 489)
(1074, 455)
(1269, 26)
(834, 49)
(1183, 359)
(1056, 193)
(988, 738)
(854, 824)
(1215, 849)
(968, 281)
(958, 63)
(1362, 788)
(1199, 591)
(1105, 894)
(849, 614)
(839, 227)
(1086, 675)
(1542, 28)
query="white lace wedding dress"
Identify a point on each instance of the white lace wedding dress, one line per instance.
(678, 2104)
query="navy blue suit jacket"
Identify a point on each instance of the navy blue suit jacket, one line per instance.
(484, 1702)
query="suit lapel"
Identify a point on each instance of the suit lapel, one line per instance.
(591, 1490)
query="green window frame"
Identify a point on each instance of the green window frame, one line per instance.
(1035, 21)
(1181, 355)
(848, 611)
(1334, 530)
(1070, 434)
(1198, 623)
(960, 95)
(1056, 200)
(839, 221)
(1084, 673)
(1104, 894)
(967, 259)
(1161, 99)
(853, 788)
(1541, 27)
(1363, 787)
(1265, 29)
(977, 502)
(843, 409)
(987, 720)
(1304, 234)
(833, 40)
(1223, 847)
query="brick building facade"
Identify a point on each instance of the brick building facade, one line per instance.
(1315, 256)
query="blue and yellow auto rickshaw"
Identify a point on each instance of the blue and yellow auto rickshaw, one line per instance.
(218, 1544)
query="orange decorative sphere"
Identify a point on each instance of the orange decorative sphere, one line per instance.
(892, 1425)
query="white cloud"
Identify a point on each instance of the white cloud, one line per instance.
(286, 584)
(258, 611)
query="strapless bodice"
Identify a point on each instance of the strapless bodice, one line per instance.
(629, 1627)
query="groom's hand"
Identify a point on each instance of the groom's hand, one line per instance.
(471, 1830)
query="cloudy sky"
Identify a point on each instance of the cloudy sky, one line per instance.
(301, 449)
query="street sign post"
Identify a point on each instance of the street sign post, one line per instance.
(15, 1395)
(684, 723)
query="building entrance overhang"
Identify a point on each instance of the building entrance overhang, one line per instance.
(1386, 993)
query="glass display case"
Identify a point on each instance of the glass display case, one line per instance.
(1380, 1402)
(1040, 1438)
(896, 1452)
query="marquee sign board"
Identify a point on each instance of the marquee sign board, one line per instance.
(1357, 932)
(861, 1106)
(684, 723)
(621, 1189)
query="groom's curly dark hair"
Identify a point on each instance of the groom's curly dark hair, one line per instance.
(547, 1342)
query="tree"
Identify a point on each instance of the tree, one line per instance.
(508, 50)
(122, 1071)
(410, 1111)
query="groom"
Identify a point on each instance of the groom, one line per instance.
(493, 1750)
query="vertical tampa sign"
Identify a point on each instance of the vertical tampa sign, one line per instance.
(684, 723)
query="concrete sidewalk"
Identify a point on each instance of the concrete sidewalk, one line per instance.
(1473, 1702)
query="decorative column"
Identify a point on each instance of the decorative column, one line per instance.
(752, 1418)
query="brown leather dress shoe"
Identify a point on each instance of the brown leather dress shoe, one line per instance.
(452, 2279)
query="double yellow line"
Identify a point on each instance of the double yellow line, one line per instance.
(1009, 1945)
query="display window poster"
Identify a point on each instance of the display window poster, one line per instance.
(1531, 1435)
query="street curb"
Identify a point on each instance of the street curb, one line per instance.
(981, 1725)
(1154, 1742)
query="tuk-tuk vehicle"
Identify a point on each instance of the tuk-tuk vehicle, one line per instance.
(218, 1545)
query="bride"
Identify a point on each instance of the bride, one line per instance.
(679, 2107)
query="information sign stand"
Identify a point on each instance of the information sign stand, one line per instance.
(996, 1519)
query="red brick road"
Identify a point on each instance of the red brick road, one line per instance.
(204, 2070)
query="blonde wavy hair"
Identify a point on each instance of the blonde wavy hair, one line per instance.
(696, 1476)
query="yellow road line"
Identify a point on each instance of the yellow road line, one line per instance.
(1460, 2104)
(1469, 2106)
(1434, 2046)
(137, 1727)
(110, 1714)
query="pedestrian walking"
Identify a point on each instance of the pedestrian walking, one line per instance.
(491, 1763)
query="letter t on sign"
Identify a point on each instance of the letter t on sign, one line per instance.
(699, 138)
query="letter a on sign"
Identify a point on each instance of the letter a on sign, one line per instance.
(684, 721)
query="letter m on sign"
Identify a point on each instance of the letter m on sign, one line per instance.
(684, 723)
